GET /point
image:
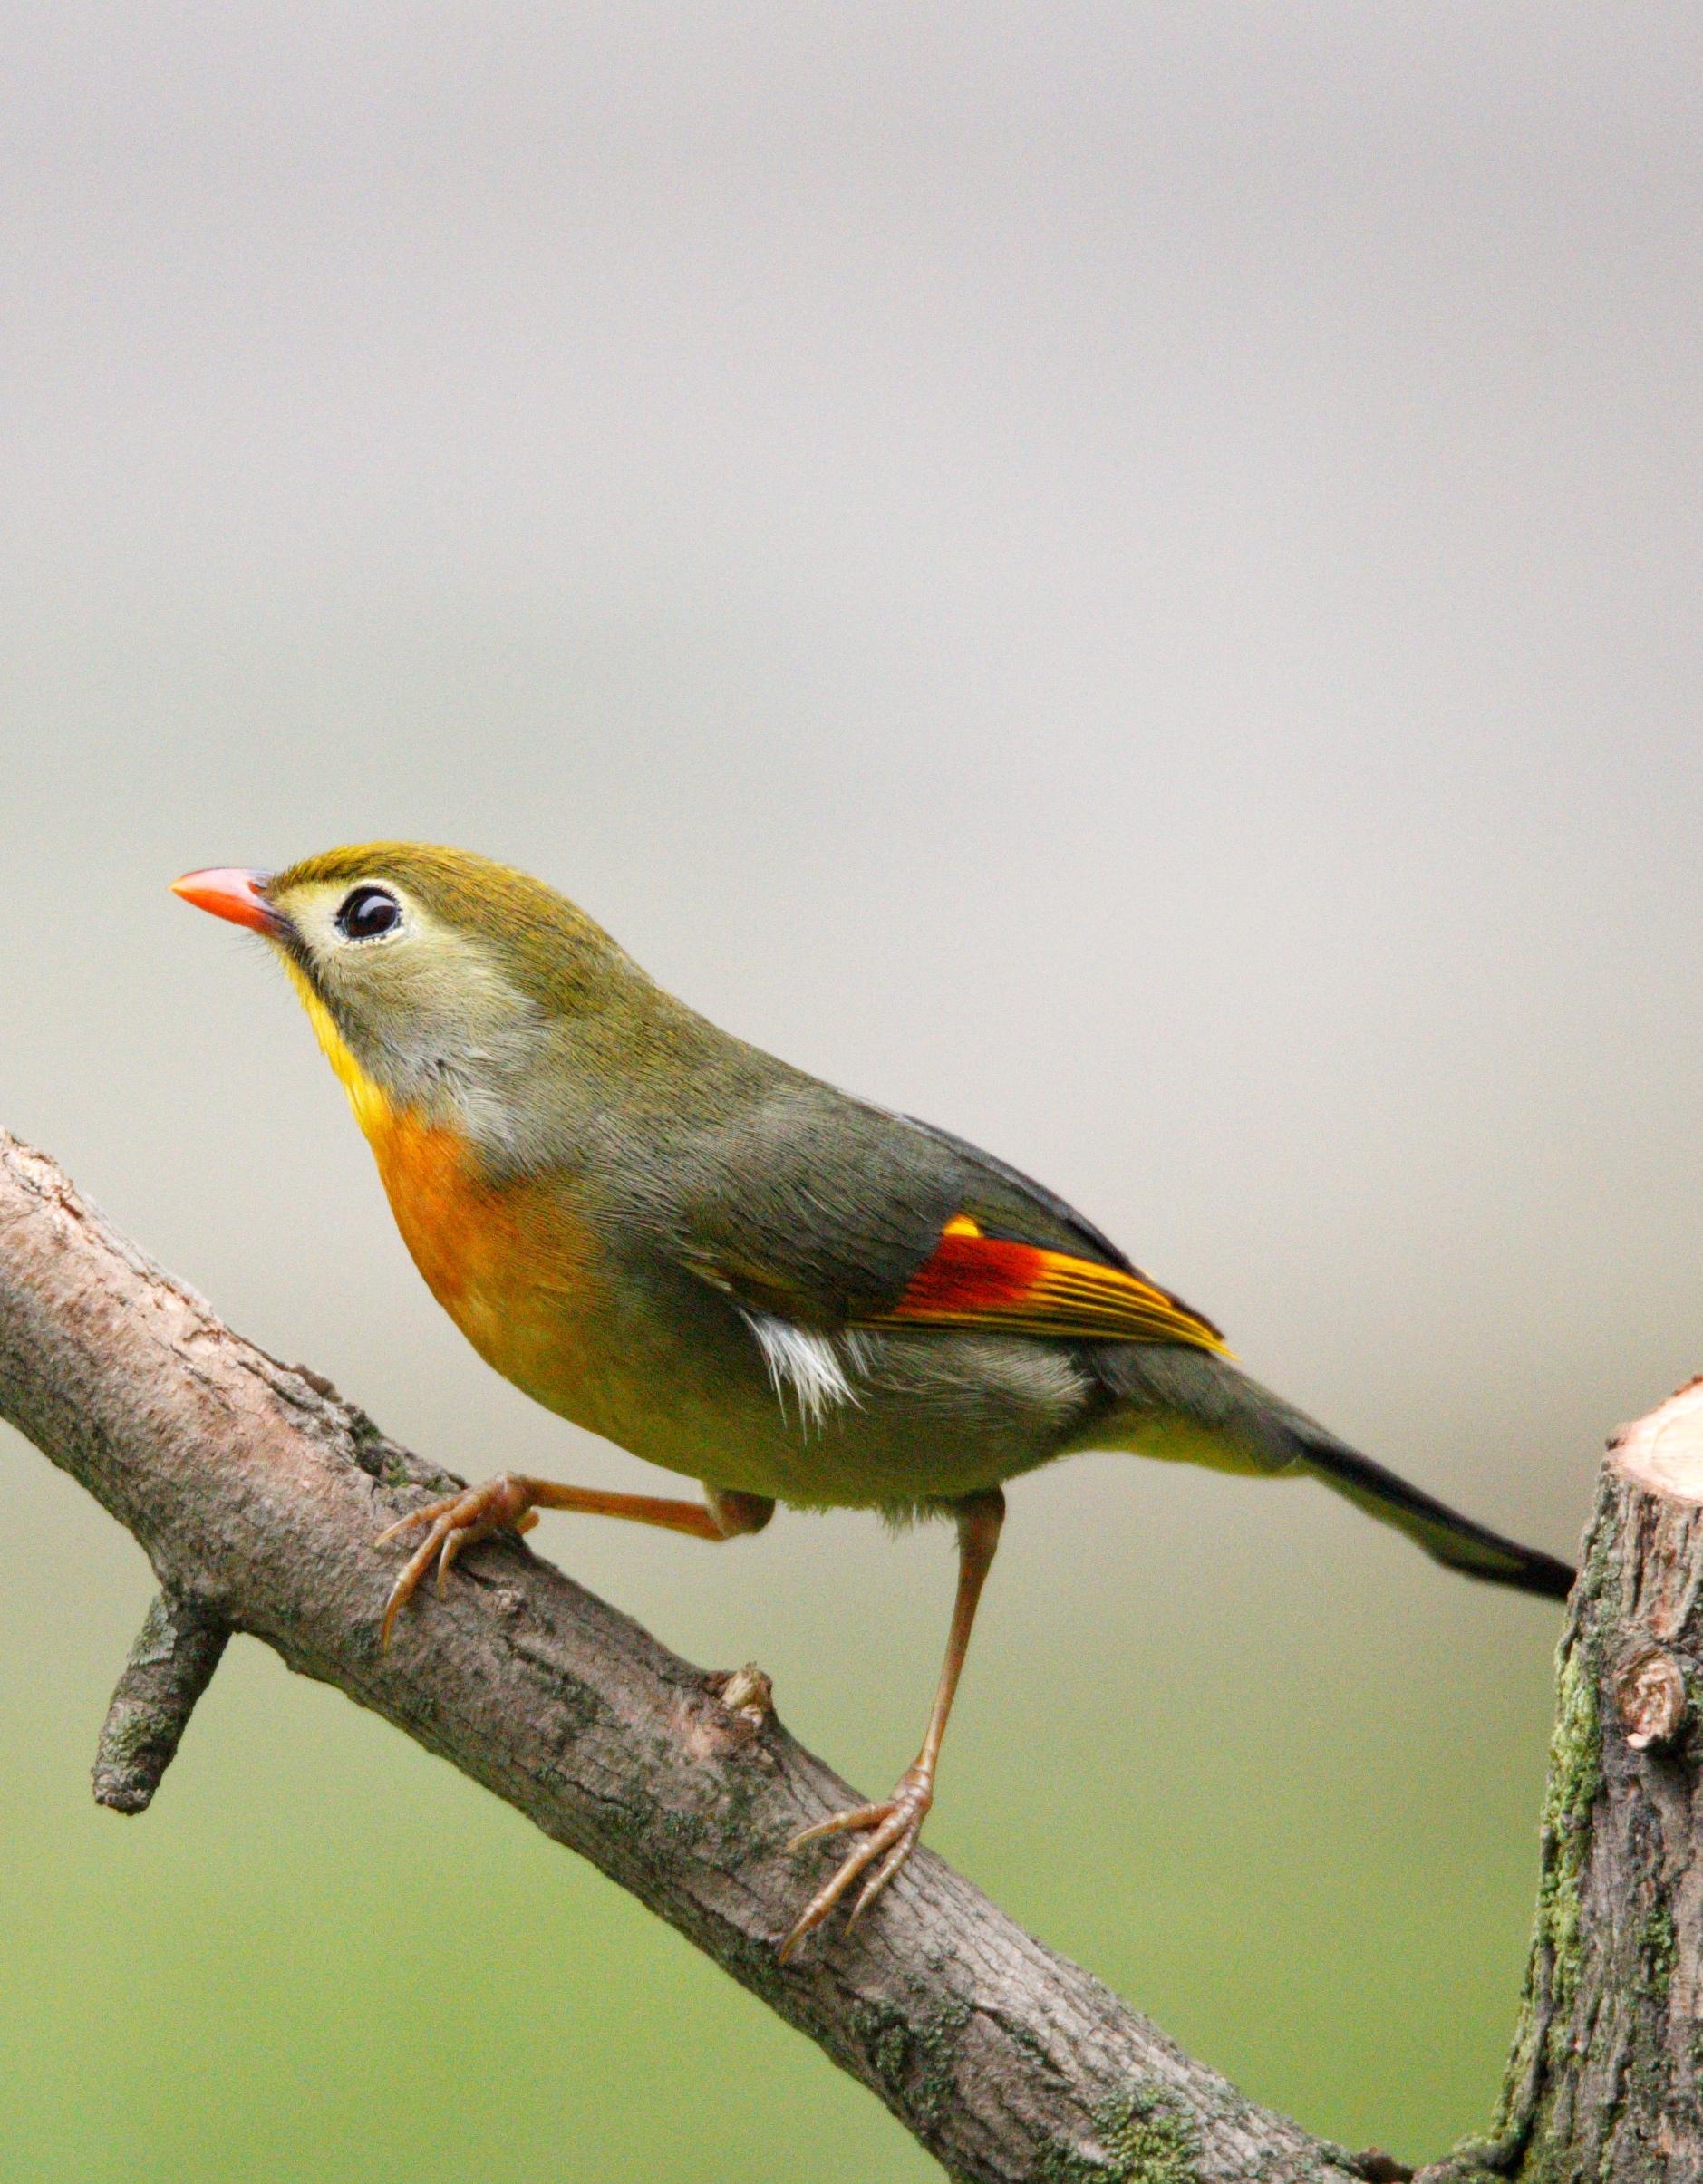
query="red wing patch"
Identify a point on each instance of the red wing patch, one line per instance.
(969, 1279)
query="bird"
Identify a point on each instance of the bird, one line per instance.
(741, 1273)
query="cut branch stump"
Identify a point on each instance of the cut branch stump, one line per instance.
(1603, 2082)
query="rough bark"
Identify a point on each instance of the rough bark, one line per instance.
(1603, 2081)
(169, 1666)
(256, 1492)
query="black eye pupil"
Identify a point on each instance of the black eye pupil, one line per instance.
(367, 912)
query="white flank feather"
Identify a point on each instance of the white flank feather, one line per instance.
(813, 1366)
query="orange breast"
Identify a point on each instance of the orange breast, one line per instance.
(508, 1262)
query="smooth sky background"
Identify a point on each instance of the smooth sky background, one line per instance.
(1124, 579)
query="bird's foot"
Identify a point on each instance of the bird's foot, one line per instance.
(892, 1829)
(458, 1521)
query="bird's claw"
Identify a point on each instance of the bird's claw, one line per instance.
(892, 1829)
(458, 1521)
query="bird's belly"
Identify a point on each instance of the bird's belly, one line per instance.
(926, 1418)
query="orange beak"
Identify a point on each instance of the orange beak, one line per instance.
(230, 893)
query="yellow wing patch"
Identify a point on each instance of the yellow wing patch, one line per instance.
(972, 1280)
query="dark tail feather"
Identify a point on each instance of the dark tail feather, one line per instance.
(1452, 1540)
(1209, 1395)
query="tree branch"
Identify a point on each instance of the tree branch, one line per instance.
(256, 1492)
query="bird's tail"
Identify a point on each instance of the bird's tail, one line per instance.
(1447, 1537)
(1190, 1404)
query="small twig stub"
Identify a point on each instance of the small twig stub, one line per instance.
(169, 1666)
(1650, 1691)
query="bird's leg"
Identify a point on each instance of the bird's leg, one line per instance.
(512, 1501)
(891, 1827)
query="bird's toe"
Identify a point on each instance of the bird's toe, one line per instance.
(890, 1830)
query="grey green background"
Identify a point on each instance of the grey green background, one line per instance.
(1122, 578)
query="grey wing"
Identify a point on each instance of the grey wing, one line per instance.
(806, 1204)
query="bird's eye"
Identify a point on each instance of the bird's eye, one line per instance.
(368, 912)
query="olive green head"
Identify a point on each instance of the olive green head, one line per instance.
(447, 985)
(399, 932)
(446, 974)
